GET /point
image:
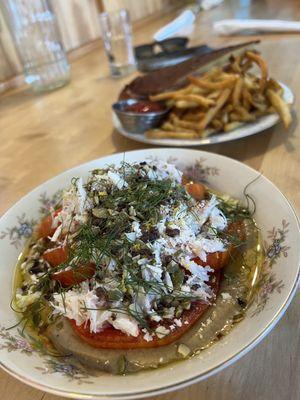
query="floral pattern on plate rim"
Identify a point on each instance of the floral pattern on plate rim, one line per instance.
(24, 226)
(267, 283)
(22, 230)
(52, 364)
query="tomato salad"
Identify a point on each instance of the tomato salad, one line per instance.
(130, 259)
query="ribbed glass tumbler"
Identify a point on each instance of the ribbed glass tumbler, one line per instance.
(35, 32)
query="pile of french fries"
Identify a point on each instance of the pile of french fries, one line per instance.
(222, 100)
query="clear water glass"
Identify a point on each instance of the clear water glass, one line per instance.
(117, 38)
(36, 36)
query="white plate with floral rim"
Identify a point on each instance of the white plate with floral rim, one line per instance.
(248, 129)
(280, 230)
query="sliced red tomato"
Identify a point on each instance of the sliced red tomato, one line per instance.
(45, 228)
(111, 338)
(220, 259)
(73, 276)
(56, 256)
(238, 229)
(216, 260)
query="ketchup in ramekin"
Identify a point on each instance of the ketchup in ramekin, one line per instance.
(144, 107)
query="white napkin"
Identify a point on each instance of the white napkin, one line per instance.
(208, 4)
(233, 26)
(180, 26)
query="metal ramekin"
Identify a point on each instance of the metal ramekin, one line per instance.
(137, 122)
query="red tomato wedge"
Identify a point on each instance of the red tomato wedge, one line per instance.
(216, 260)
(45, 228)
(237, 228)
(111, 338)
(56, 256)
(220, 259)
(72, 276)
(196, 190)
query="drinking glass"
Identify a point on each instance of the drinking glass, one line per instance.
(117, 39)
(35, 32)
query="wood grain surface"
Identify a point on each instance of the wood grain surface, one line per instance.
(137, 9)
(42, 136)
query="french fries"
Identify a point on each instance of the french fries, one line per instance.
(170, 95)
(183, 123)
(232, 125)
(194, 115)
(221, 100)
(196, 98)
(186, 104)
(262, 65)
(237, 91)
(185, 96)
(205, 84)
(280, 106)
(212, 112)
(162, 134)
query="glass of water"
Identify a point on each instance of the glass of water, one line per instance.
(117, 38)
(37, 41)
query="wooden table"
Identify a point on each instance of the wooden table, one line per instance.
(42, 136)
